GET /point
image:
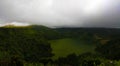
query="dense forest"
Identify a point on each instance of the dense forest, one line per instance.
(30, 46)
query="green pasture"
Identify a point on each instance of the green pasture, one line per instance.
(63, 47)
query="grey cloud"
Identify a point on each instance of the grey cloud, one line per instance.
(61, 12)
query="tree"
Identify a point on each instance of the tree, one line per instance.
(73, 59)
(70, 60)
(89, 59)
(110, 50)
(16, 61)
(25, 42)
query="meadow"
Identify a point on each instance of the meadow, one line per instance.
(66, 46)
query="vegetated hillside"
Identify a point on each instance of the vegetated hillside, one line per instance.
(86, 39)
(102, 35)
(31, 43)
(48, 33)
(76, 32)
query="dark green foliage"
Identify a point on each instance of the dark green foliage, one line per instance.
(111, 49)
(24, 42)
(73, 60)
(13, 61)
(70, 60)
(47, 33)
(89, 32)
(86, 59)
(89, 59)
(16, 61)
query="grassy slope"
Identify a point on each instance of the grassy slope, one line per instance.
(63, 47)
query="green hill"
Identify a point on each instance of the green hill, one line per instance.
(26, 42)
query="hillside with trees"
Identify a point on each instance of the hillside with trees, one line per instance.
(24, 46)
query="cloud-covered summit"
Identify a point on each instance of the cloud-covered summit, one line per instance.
(14, 24)
(73, 13)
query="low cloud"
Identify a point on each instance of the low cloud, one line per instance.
(56, 13)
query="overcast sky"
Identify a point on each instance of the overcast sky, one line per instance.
(72, 13)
